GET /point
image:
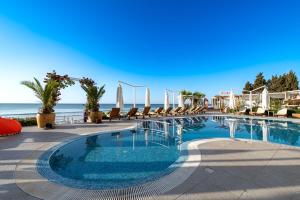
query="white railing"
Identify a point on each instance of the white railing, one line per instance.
(69, 119)
(59, 119)
(154, 126)
(157, 131)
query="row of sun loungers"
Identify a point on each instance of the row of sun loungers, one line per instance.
(133, 112)
(263, 112)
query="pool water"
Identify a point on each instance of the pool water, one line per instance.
(272, 131)
(132, 157)
(111, 160)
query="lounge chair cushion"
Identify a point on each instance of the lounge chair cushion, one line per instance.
(260, 111)
(282, 111)
(114, 113)
(132, 112)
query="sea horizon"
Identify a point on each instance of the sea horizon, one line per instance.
(61, 109)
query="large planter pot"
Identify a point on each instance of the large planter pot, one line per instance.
(95, 117)
(43, 119)
(296, 115)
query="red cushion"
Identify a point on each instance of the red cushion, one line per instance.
(9, 126)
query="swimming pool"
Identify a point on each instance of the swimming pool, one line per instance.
(132, 157)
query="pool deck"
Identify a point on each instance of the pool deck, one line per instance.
(229, 169)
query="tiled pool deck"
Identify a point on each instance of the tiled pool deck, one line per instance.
(229, 169)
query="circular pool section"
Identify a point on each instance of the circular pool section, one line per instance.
(110, 160)
(129, 158)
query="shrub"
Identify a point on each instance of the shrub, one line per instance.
(254, 109)
(275, 104)
(30, 121)
(297, 111)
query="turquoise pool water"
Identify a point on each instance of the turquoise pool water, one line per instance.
(127, 158)
(110, 160)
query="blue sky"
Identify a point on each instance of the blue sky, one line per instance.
(204, 45)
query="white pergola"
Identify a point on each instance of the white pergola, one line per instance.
(134, 87)
(250, 94)
(173, 93)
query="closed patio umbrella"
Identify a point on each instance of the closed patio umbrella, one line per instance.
(147, 98)
(231, 100)
(120, 101)
(166, 102)
(265, 99)
(180, 101)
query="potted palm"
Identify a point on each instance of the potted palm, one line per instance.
(49, 95)
(45, 95)
(93, 94)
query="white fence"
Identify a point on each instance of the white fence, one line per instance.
(59, 119)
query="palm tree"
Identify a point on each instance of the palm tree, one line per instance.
(197, 97)
(198, 94)
(93, 94)
(186, 92)
(44, 94)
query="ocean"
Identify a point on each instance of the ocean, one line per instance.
(23, 110)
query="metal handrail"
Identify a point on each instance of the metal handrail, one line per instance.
(153, 127)
(149, 120)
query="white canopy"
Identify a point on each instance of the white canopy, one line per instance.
(180, 101)
(147, 98)
(120, 101)
(166, 102)
(265, 99)
(231, 100)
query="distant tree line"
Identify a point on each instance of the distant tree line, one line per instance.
(285, 82)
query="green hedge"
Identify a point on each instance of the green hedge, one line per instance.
(296, 111)
(31, 121)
